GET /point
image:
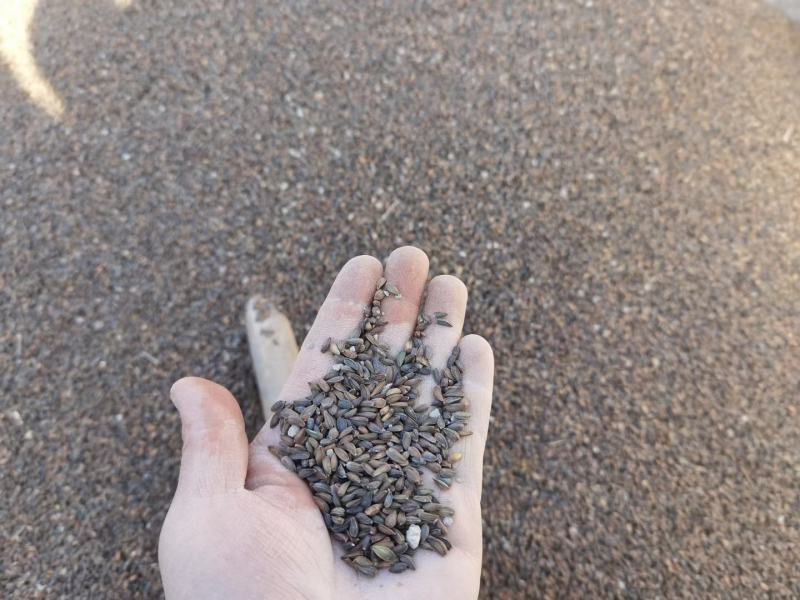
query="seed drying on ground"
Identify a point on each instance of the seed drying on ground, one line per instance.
(361, 437)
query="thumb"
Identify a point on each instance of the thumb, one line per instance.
(214, 458)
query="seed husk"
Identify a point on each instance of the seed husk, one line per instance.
(352, 528)
(274, 420)
(368, 570)
(396, 456)
(392, 289)
(384, 553)
(437, 545)
(443, 482)
(398, 567)
(408, 560)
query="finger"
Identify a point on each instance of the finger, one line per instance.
(446, 295)
(338, 318)
(214, 457)
(477, 379)
(407, 270)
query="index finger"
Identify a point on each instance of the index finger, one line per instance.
(338, 318)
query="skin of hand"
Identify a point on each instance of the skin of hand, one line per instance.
(242, 526)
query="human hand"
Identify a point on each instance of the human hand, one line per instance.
(242, 526)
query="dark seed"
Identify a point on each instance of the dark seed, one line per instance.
(369, 571)
(398, 567)
(408, 560)
(396, 456)
(274, 420)
(392, 290)
(385, 553)
(438, 545)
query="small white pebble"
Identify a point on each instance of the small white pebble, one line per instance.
(573, 532)
(293, 430)
(28, 435)
(434, 414)
(448, 521)
(412, 536)
(15, 417)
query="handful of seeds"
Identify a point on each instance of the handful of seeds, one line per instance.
(360, 439)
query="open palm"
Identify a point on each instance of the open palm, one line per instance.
(242, 526)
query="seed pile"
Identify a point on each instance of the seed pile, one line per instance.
(360, 440)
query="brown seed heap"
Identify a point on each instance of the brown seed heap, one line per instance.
(360, 440)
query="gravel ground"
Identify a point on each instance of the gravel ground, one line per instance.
(790, 7)
(615, 180)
